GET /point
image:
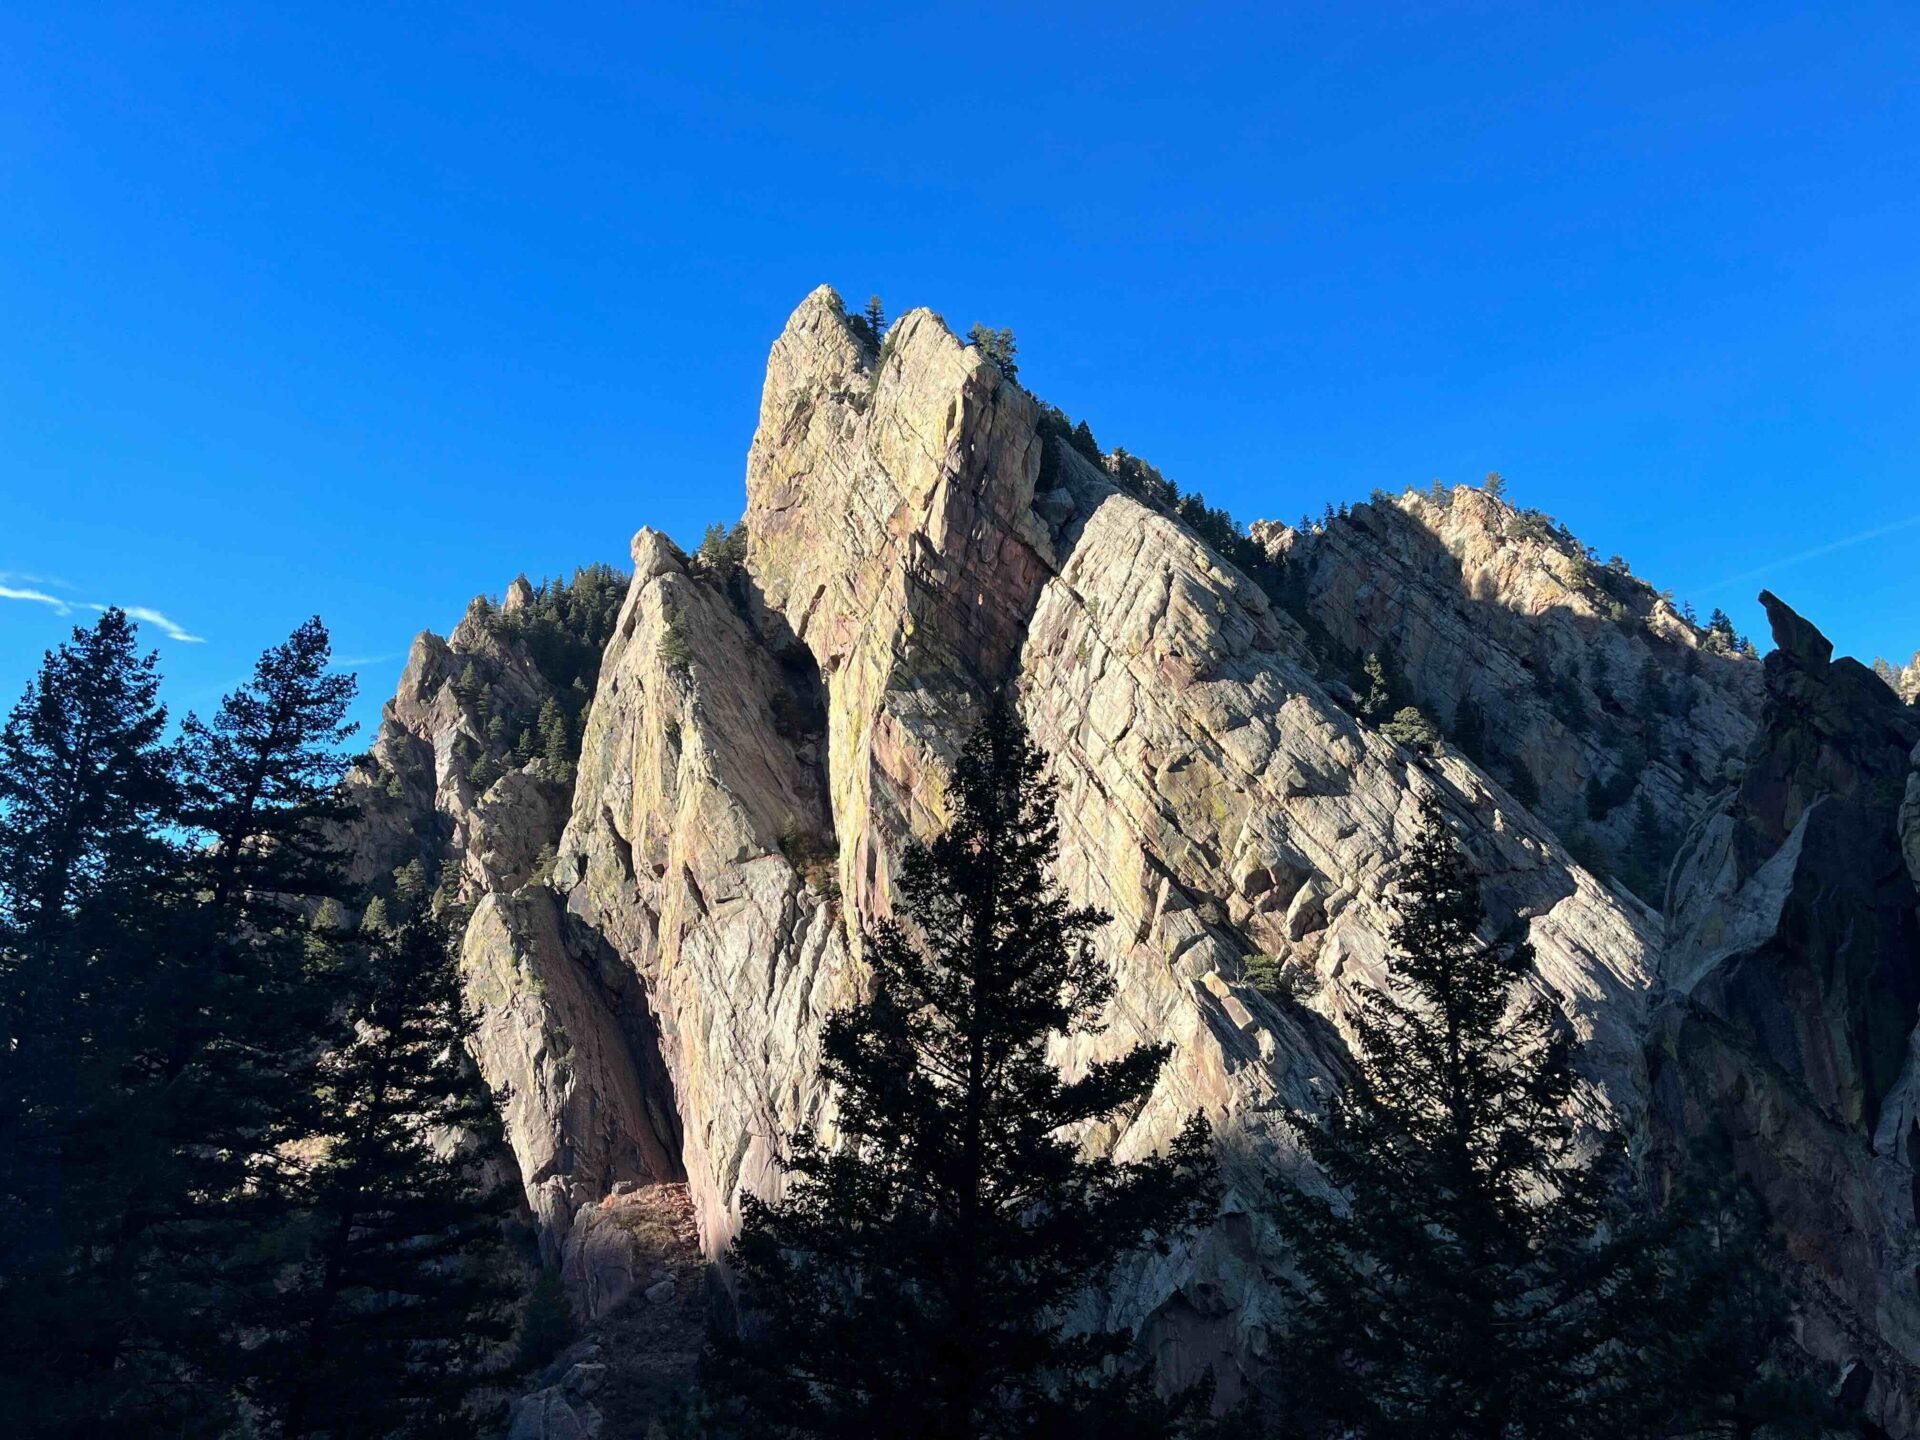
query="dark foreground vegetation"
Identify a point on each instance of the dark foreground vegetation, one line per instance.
(244, 1161)
(242, 1153)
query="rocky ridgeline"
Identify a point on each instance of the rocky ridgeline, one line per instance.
(655, 938)
(1580, 687)
(1785, 1031)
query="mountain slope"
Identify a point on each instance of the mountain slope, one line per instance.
(763, 740)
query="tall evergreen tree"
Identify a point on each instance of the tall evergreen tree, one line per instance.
(242, 997)
(916, 1280)
(1476, 1276)
(395, 1282)
(262, 778)
(86, 785)
(86, 788)
(876, 317)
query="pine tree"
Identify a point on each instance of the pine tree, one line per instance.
(1476, 1277)
(87, 787)
(232, 1003)
(409, 888)
(916, 1280)
(1496, 485)
(1378, 702)
(998, 346)
(396, 1283)
(875, 316)
(1725, 1342)
(1083, 441)
(556, 737)
(263, 778)
(1411, 728)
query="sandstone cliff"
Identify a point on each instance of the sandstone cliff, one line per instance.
(655, 938)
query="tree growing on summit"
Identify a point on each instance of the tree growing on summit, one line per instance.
(1083, 441)
(997, 346)
(917, 1280)
(875, 316)
(723, 550)
(1496, 485)
(1479, 1276)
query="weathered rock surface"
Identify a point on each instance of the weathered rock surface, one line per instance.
(630, 1369)
(762, 744)
(1574, 679)
(551, 1042)
(565, 1035)
(1207, 782)
(1786, 1031)
(701, 848)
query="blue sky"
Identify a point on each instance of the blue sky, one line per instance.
(363, 310)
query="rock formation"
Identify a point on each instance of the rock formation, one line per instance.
(1575, 681)
(655, 938)
(1785, 1035)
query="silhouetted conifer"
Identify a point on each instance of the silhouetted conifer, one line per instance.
(917, 1279)
(395, 1282)
(1476, 1276)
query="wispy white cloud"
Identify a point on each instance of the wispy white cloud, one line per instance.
(1761, 572)
(146, 614)
(154, 617)
(38, 597)
(348, 662)
(22, 577)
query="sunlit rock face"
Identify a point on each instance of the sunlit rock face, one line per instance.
(655, 943)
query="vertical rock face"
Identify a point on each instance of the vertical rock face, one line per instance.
(890, 525)
(1213, 797)
(654, 945)
(700, 847)
(566, 1034)
(1786, 1034)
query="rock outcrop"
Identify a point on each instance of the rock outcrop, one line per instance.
(1214, 798)
(1578, 683)
(1785, 1034)
(659, 928)
(700, 848)
(566, 1033)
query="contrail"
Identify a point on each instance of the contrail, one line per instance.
(1763, 571)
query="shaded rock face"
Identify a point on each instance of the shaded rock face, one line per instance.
(1785, 1037)
(762, 744)
(1572, 680)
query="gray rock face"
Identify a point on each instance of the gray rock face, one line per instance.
(550, 1042)
(1212, 795)
(762, 744)
(1576, 676)
(566, 1037)
(701, 848)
